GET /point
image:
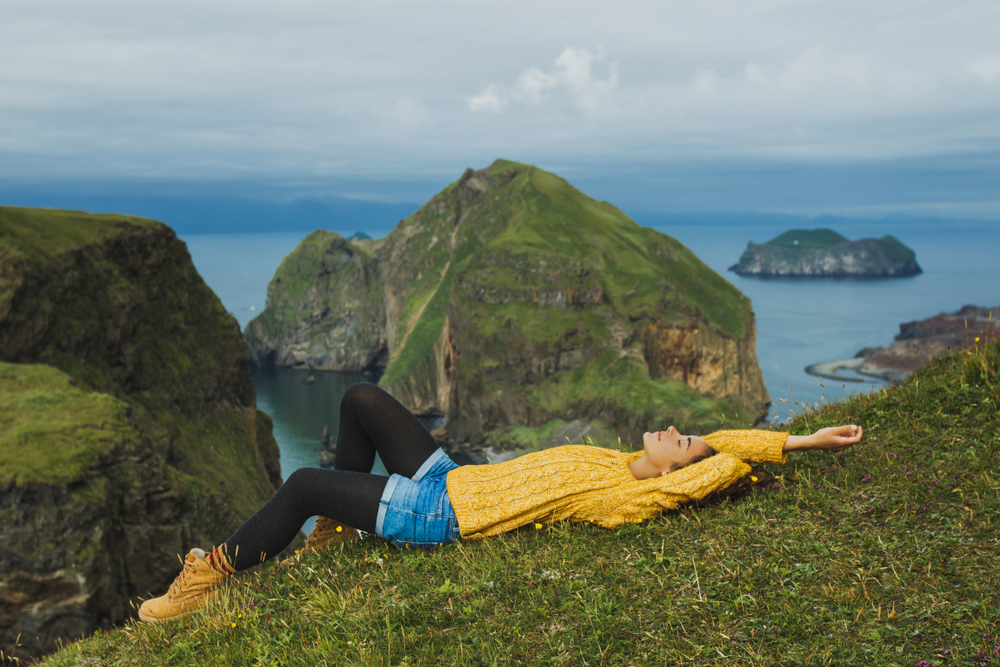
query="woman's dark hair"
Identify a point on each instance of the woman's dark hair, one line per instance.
(756, 478)
(703, 457)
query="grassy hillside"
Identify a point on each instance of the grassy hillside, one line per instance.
(507, 288)
(51, 431)
(643, 272)
(895, 250)
(116, 305)
(886, 554)
(127, 420)
(808, 238)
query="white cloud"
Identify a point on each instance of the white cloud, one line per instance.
(221, 88)
(987, 69)
(409, 112)
(754, 73)
(705, 81)
(817, 66)
(572, 74)
(532, 84)
(491, 99)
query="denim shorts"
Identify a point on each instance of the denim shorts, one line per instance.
(417, 512)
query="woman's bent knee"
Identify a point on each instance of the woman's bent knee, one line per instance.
(359, 394)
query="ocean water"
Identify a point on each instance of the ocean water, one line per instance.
(799, 322)
(805, 321)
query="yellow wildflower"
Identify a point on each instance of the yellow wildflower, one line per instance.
(538, 526)
(753, 478)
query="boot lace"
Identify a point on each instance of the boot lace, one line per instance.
(182, 579)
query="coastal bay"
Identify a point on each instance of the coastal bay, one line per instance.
(799, 323)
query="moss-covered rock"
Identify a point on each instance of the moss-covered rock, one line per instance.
(510, 297)
(824, 252)
(128, 426)
(324, 310)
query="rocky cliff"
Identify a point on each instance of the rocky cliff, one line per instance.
(324, 309)
(128, 428)
(921, 340)
(823, 252)
(511, 299)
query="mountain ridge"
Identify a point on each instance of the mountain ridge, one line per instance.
(510, 278)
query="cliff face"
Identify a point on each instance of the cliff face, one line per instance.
(129, 429)
(511, 298)
(814, 253)
(920, 341)
(324, 309)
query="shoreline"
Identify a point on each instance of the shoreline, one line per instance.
(829, 370)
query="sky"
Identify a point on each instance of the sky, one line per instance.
(802, 106)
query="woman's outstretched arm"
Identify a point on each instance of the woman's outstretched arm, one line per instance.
(833, 439)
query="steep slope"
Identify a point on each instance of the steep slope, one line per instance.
(823, 252)
(324, 308)
(128, 428)
(511, 298)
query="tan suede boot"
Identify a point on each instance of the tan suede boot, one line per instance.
(326, 533)
(193, 588)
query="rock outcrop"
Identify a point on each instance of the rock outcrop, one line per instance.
(511, 299)
(822, 252)
(324, 309)
(921, 340)
(128, 423)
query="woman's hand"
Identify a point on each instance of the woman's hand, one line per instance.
(834, 439)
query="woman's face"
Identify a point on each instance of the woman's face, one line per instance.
(669, 450)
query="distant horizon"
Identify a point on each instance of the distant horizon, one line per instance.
(751, 193)
(809, 108)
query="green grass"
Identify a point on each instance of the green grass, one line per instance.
(808, 238)
(137, 370)
(619, 385)
(886, 554)
(60, 230)
(896, 251)
(52, 431)
(537, 216)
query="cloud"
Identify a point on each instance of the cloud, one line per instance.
(491, 99)
(409, 112)
(987, 69)
(817, 66)
(705, 81)
(572, 74)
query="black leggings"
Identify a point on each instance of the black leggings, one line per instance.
(370, 421)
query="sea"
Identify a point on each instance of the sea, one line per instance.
(799, 321)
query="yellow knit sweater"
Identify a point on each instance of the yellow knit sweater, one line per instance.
(583, 483)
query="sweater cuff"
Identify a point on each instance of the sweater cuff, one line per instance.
(751, 445)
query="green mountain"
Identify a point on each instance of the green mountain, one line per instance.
(824, 252)
(512, 299)
(128, 424)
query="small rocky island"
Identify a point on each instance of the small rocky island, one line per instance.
(824, 252)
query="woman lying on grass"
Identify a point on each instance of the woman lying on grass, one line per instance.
(428, 500)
